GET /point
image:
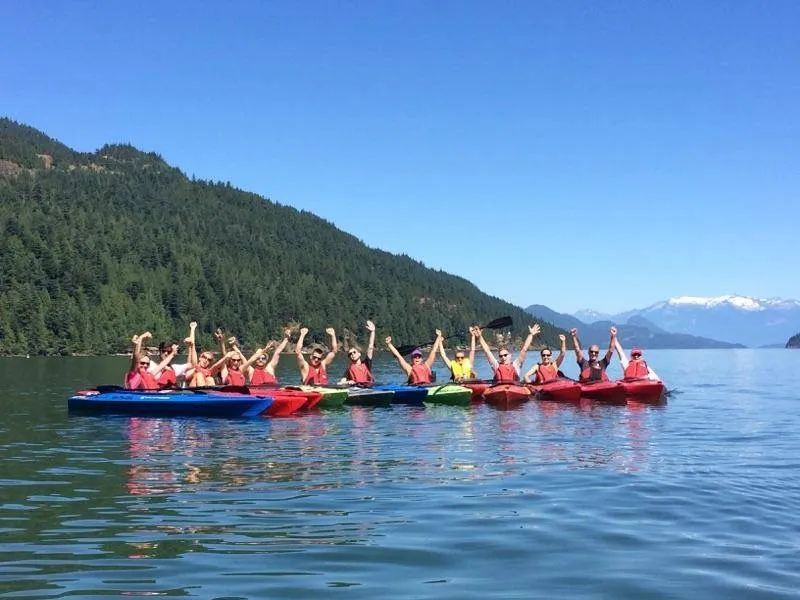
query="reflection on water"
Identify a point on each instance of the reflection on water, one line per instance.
(407, 501)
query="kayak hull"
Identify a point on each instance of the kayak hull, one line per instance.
(171, 404)
(606, 392)
(560, 390)
(476, 387)
(506, 395)
(643, 391)
(411, 395)
(357, 396)
(331, 397)
(454, 395)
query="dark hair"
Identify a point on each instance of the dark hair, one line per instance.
(165, 346)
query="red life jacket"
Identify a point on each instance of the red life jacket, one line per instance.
(141, 379)
(234, 378)
(262, 377)
(505, 372)
(420, 373)
(546, 373)
(167, 378)
(360, 373)
(636, 369)
(589, 374)
(318, 376)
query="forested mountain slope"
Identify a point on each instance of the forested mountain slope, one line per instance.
(95, 246)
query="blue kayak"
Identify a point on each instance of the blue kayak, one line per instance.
(405, 394)
(171, 404)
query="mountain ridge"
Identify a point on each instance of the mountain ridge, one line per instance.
(99, 245)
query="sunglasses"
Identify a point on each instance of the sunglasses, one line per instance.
(352, 353)
(144, 363)
(637, 355)
(546, 355)
(459, 357)
(594, 351)
(503, 355)
(315, 357)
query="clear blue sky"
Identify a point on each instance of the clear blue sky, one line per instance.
(575, 154)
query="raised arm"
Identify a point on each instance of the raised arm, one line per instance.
(562, 352)
(472, 349)
(298, 350)
(219, 335)
(576, 344)
(623, 358)
(371, 343)
(400, 360)
(222, 362)
(334, 347)
(190, 344)
(276, 354)
(442, 353)
(173, 351)
(532, 332)
(612, 338)
(486, 350)
(136, 351)
(432, 356)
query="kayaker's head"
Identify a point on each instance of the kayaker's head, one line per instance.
(354, 354)
(235, 363)
(546, 355)
(261, 361)
(459, 356)
(316, 356)
(165, 348)
(503, 356)
(144, 363)
(594, 352)
(636, 354)
(205, 359)
(416, 356)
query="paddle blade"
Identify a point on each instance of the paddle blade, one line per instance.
(499, 323)
(407, 349)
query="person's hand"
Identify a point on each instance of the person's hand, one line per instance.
(135, 339)
(174, 349)
(438, 333)
(330, 331)
(388, 340)
(270, 345)
(472, 331)
(535, 329)
(188, 341)
(232, 341)
(231, 354)
(370, 326)
(573, 331)
(193, 325)
(303, 331)
(145, 336)
(613, 330)
(219, 335)
(562, 337)
(287, 333)
(478, 331)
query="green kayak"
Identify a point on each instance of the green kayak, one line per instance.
(331, 397)
(448, 394)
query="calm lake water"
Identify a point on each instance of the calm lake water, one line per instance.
(698, 498)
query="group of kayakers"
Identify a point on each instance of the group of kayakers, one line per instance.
(233, 368)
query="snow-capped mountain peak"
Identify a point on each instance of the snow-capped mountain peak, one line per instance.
(741, 302)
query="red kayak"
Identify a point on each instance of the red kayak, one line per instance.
(559, 390)
(285, 402)
(506, 395)
(477, 387)
(643, 390)
(608, 392)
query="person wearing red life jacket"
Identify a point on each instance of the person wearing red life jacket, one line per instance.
(419, 371)
(167, 373)
(138, 376)
(259, 368)
(314, 371)
(505, 369)
(232, 372)
(359, 371)
(546, 369)
(593, 368)
(202, 368)
(636, 367)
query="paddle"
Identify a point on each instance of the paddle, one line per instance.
(498, 323)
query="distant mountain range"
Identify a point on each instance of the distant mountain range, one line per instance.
(635, 331)
(734, 319)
